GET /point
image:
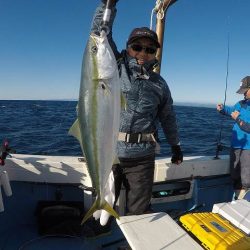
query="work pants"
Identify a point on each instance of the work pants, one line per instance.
(240, 168)
(137, 176)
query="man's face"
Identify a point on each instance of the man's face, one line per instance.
(247, 94)
(143, 49)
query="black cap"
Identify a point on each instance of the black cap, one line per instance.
(143, 32)
(244, 86)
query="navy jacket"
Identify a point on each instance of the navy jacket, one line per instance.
(148, 97)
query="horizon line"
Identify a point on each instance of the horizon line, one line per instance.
(177, 103)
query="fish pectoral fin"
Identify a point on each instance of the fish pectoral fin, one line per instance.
(96, 206)
(75, 130)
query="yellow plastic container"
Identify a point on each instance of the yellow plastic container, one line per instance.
(214, 232)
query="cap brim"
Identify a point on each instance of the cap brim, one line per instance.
(242, 90)
(131, 40)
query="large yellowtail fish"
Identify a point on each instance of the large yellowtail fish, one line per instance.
(97, 124)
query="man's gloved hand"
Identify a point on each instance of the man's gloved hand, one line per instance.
(105, 1)
(109, 196)
(177, 156)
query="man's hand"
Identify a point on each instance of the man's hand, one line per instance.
(105, 1)
(235, 114)
(177, 156)
(219, 107)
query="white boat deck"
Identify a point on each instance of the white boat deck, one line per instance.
(155, 231)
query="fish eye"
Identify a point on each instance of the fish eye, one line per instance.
(103, 86)
(94, 49)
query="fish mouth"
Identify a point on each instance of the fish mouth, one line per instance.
(96, 37)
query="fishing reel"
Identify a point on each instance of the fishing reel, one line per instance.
(5, 150)
(219, 148)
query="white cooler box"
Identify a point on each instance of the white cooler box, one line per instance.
(237, 212)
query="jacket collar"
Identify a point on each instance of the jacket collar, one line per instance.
(140, 71)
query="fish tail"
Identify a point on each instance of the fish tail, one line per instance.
(91, 211)
(110, 210)
(96, 206)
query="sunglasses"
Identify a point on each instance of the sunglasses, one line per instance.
(139, 48)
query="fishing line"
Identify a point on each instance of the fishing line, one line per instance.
(219, 145)
(228, 54)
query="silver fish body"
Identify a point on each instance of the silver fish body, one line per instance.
(97, 125)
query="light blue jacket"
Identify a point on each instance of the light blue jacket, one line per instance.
(148, 98)
(241, 128)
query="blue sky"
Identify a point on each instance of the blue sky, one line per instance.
(42, 43)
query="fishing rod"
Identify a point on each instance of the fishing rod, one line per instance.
(219, 145)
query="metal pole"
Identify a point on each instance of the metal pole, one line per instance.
(160, 27)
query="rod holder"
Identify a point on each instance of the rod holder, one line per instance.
(1, 201)
(6, 183)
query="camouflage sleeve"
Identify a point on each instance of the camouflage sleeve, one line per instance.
(96, 25)
(245, 126)
(167, 118)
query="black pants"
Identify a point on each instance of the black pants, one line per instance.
(137, 176)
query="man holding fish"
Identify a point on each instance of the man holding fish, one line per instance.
(148, 103)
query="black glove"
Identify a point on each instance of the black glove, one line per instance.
(177, 156)
(105, 1)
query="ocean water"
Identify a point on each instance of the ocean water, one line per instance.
(41, 127)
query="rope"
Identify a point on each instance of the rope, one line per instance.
(158, 9)
(161, 12)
